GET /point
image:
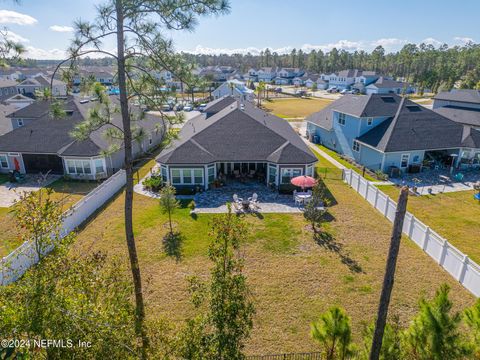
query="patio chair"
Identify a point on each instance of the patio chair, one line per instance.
(254, 201)
(251, 174)
(237, 203)
(459, 177)
(237, 174)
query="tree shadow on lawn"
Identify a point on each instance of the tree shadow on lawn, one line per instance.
(327, 241)
(172, 245)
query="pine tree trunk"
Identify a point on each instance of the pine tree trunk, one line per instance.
(127, 133)
(389, 275)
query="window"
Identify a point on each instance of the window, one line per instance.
(309, 171)
(272, 174)
(289, 173)
(341, 118)
(185, 176)
(150, 140)
(99, 166)
(369, 121)
(356, 146)
(211, 173)
(20, 122)
(79, 167)
(164, 173)
(3, 161)
(404, 160)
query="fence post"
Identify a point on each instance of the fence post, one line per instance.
(425, 238)
(351, 176)
(366, 190)
(443, 253)
(387, 201)
(463, 269)
(376, 197)
(412, 225)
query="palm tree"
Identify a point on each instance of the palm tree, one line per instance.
(333, 332)
(260, 88)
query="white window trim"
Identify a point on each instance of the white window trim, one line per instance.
(20, 122)
(369, 121)
(8, 162)
(192, 176)
(356, 146)
(282, 170)
(343, 119)
(401, 160)
(93, 168)
(309, 170)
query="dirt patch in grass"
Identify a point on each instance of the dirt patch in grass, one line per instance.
(292, 277)
(455, 216)
(296, 108)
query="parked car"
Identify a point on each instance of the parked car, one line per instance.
(166, 107)
(355, 91)
(344, 91)
(202, 107)
(332, 90)
(188, 107)
(178, 107)
(278, 89)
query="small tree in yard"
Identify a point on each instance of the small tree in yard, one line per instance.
(333, 332)
(168, 204)
(434, 333)
(220, 332)
(67, 295)
(314, 211)
(472, 320)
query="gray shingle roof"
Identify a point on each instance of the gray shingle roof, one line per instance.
(46, 135)
(372, 105)
(383, 82)
(462, 115)
(417, 128)
(463, 95)
(234, 134)
(216, 105)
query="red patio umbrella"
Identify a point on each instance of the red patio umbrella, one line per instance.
(303, 181)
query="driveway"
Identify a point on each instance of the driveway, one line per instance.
(11, 192)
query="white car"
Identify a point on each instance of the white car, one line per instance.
(188, 107)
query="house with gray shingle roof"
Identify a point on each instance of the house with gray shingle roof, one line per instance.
(239, 140)
(458, 97)
(381, 131)
(30, 86)
(384, 85)
(41, 143)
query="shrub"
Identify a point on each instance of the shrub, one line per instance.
(153, 183)
(380, 175)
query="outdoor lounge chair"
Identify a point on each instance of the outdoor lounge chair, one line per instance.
(237, 174)
(254, 201)
(251, 174)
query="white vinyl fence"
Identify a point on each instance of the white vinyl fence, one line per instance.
(19, 260)
(464, 270)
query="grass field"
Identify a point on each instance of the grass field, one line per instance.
(345, 163)
(455, 216)
(67, 192)
(295, 107)
(293, 277)
(3, 178)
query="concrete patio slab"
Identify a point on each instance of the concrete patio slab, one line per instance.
(11, 192)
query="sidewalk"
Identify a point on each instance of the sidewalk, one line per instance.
(324, 154)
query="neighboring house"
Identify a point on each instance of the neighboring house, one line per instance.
(385, 86)
(235, 88)
(29, 86)
(19, 101)
(9, 74)
(5, 122)
(266, 74)
(8, 88)
(462, 106)
(346, 78)
(45, 144)
(103, 77)
(217, 73)
(238, 139)
(458, 97)
(290, 73)
(384, 131)
(281, 81)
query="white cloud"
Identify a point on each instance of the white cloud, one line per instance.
(432, 41)
(32, 52)
(60, 28)
(389, 42)
(15, 37)
(13, 17)
(463, 40)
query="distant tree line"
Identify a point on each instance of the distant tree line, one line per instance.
(425, 65)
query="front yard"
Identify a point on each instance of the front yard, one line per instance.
(455, 216)
(295, 108)
(293, 277)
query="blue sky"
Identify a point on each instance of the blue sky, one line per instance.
(252, 25)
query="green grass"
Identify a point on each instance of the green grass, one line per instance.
(295, 108)
(293, 278)
(455, 216)
(345, 163)
(3, 178)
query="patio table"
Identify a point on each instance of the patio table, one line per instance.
(246, 205)
(304, 197)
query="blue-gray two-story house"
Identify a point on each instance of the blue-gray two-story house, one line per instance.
(381, 131)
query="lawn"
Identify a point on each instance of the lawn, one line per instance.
(66, 192)
(295, 108)
(345, 163)
(3, 178)
(293, 278)
(455, 216)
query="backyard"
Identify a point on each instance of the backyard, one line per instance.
(454, 215)
(295, 108)
(67, 192)
(293, 277)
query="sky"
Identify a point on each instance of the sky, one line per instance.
(45, 26)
